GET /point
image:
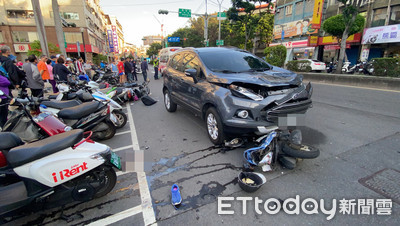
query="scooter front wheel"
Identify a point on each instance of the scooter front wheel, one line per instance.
(104, 131)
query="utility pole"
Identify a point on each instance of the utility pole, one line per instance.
(162, 29)
(58, 26)
(366, 47)
(219, 22)
(40, 27)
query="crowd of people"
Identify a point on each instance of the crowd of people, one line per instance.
(35, 73)
(127, 69)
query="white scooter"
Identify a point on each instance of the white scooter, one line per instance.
(52, 172)
(117, 116)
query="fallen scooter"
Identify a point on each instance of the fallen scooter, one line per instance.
(282, 146)
(58, 170)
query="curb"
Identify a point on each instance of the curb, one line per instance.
(355, 80)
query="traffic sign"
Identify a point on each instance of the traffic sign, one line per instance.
(220, 42)
(185, 13)
(174, 39)
(221, 16)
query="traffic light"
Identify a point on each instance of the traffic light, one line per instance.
(161, 11)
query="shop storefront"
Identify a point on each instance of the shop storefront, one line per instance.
(383, 41)
(332, 48)
(298, 49)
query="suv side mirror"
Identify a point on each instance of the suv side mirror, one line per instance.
(191, 73)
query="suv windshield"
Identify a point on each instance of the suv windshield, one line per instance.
(233, 61)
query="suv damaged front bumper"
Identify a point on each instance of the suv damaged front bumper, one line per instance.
(272, 111)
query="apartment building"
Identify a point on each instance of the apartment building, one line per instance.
(85, 20)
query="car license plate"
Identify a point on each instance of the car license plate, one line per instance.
(116, 160)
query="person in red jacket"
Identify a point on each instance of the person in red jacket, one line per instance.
(121, 71)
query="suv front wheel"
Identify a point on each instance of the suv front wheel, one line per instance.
(169, 104)
(215, 128)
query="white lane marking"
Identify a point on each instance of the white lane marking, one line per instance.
(120, 173)
(122, 148)
(120, 133)
(358, 87)
(118, 216)
(147, 206)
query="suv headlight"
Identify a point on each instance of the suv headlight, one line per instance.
(246, 93)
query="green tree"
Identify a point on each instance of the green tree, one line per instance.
(98, 58)
(36, 49)
(275, 55)
(242, 12)
(154, 49)
(344, 25)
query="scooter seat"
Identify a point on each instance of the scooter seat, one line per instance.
(30, 152)
(79, 111)
(61, 104)
(9, 140)
(69, 96)
(130, 85)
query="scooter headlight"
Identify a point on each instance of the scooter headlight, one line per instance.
(67, 128)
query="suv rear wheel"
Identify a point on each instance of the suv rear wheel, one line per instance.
(169, 104)
(215, 129)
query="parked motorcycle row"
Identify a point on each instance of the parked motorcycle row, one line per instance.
(48, 153)
(365, 68)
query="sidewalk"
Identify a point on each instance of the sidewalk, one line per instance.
(386, 83)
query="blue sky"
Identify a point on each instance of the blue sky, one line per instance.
(137, 16)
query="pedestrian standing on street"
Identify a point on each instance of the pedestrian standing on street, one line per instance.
(114, 67)
(4, 84)
(102, 65)
(128, 70)
(35, 81)
(70, 65)
(88, 68)
(121, 71)
(53, 60)
(42, 66)
(145, 68)
(7, 62)
(134, 69)
(79, 66)
(156, 68)
(51, 80)
(60, 71)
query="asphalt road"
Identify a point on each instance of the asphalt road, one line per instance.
(357, 131)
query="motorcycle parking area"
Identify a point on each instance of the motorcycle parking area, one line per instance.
(358, 141)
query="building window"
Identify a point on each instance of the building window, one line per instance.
(70, 16)
(24, 36)
(299, 8)
(288, 10)
(24, 14)
(67, 16)
(395, 15)
(379, 17)
(1, 37)
(73, 37)
(92, 40)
